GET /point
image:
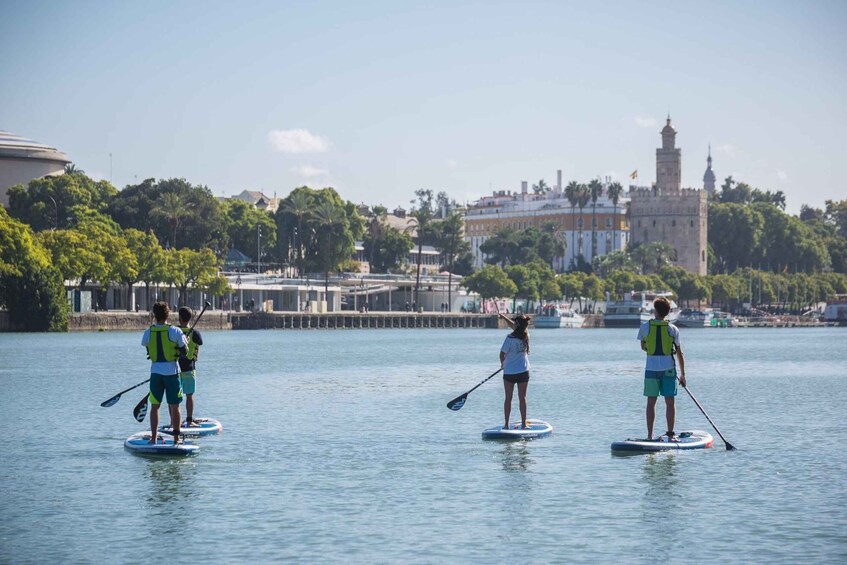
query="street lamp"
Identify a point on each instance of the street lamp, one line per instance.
(240, 296)
(259, 249)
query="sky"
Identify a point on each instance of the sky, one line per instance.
(378, 99)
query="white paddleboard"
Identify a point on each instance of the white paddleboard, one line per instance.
(535, 429)
(139, 443)
(201, 427)
(690, 439)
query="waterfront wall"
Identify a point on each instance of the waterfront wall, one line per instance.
(356, 320)
(138, 321)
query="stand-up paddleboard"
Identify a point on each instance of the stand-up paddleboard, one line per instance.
(692, 439)
(201, 427)
(164, 445)
(535, 429)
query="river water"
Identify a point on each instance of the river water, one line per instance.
(338, 447)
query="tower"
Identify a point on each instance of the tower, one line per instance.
(668, 162)
(709, 175)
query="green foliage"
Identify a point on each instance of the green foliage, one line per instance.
(189, 268)
(179, 214)
(30, 287)
(386, 247)
(243, 225)
(490, 282)
(50, 202)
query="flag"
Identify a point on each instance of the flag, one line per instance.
(634, 174)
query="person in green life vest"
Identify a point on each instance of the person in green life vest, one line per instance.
(165, 344)
(187, 365)
(660, 339)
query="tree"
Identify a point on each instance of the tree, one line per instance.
(47, 202)
(653, 256)
(243, 225)
(572, 194)
(490, 282)
(551, 244)
(186, 267)
(297, 206)
(420, 222)
(330, 221)
(502, 248)
(615, 192)
(150, 258)
(541, 187)
(583, 196)
(451, 243)
(595, 191)
(735, 231)
(387, 246)
(526, 284)
(31, 288)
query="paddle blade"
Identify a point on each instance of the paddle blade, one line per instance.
(140, 410)
(111, 402)
(457, 403)
(729, 446)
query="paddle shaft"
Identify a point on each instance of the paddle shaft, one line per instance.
(137, 412)
(485, 381)
(117, 397)
(729, 446)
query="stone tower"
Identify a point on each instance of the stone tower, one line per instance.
(670, 214)
(668, 161)
(709, 175)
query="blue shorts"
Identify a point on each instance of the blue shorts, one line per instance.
(187, 380)
(660, 383)
(161, 385)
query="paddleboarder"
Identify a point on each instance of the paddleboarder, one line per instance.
(187, 364)
(165, 344)
(660, 340)
(514, 359)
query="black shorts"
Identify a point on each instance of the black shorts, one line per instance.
(517, 378)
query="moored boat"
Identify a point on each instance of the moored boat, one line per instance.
(635, 309)
(557, 316)
(836, 310)
(708, 318)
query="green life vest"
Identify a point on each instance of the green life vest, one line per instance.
(659, 341)
(159, 347)
(192, 347)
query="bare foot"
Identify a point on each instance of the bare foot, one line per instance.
(153, 440)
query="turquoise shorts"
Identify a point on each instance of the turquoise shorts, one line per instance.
(162, 385)
(660, 383)
(187, 379)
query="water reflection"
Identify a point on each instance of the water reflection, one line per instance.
(662, 503)
(169, 481)
(515, 457)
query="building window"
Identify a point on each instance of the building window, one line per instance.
(703, 255)
(673, 223)
(593, 222)
(639, 223)
(608, 222)
(654, 223)
(692, 223)
(579, 223)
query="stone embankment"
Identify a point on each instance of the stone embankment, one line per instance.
(138, 321)
(356, 320)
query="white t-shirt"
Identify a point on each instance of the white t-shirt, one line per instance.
(166, 367)
(517, 359)
(659, 362)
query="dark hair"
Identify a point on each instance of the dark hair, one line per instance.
(185, 314)
(662, 306)
(521, 323)
(161, 311)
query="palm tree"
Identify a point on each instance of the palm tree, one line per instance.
(70, 169)
(541, 188)
(171, 207)
(421, 221)
(450, 242)
(557, 237)
(299, 204)
(595, 190)
(328, 216)
(583, 196)
(614, 191)
(572, 194)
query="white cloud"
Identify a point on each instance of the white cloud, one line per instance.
(452, 164)
(309, 171)
(646, 122)
(297, 141)
(782, 175)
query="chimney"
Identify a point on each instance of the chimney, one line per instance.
(559, 180)
(524, 189)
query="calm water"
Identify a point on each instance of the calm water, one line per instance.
(338, 447)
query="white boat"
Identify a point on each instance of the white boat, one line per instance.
(636, 308)
(557, 316)
(707, 318)
(836, 310)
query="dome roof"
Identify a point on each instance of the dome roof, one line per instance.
(668, 127)
(15, 146)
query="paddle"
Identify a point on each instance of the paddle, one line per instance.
(112, 401)
(459, 401)
(729, 446)
(140, 410)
